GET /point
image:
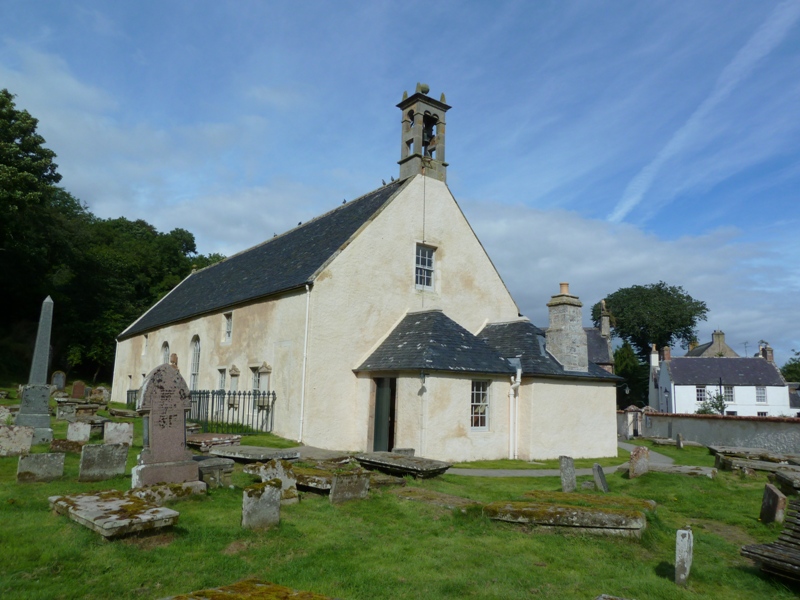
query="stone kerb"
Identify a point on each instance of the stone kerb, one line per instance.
(40, 467)
(118, 433)
(163, 402)
(102, 461)
(15, 440)
(261, 505)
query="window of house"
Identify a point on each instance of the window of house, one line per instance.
(256, 379)
(479, 405)
(228, 327)
(729, 394)
(165, 354)
(700, 393)
(195, 372)
(762, 414)
(221, 381)
(731, 413)
(423, 278)
(761, 394)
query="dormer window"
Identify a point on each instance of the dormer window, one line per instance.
(423, 276)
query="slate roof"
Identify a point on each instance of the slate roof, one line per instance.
(698, 350)
(525, 340)
(432, 341)
(598, 347)
(733, 371)
(280, 264)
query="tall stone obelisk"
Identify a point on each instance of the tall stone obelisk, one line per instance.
(33, 409)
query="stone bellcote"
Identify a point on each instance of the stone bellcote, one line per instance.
(422, 141)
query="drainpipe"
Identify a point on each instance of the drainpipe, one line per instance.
(513, 408)
(305, 359)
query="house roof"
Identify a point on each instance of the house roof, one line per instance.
(699, 350)
(525, 340)
(282, 263)
(432, 341)
(794, 396)
(732, 371)
(598, 347)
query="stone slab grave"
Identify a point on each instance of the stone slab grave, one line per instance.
(118, 433)
(433, 498)
(254, 453)
(113, 514)
(163, 402)
(671, 442)
(102, 461)
(34, 407)
(599, 478)
(773, 505)
(250, 589)
(567, 470)
(66, 446)
(729, 463)
(206, 441)
(691, 471)
(59, 379)
(15, 440)
(261, 505)
(787, 481)
(593, 500)
(79, 431)
(277, 470)
(123, 413)
(746, 453)
(639, 462)
(215, 472)
(349, 486)
(168, 492)
(684, 546)
(398, 464)
(40, 467)
(66, 412)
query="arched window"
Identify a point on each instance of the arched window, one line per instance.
(165, 353)
(195, 363)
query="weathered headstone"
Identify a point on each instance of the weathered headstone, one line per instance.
(87, 392)
(163, 402)
(79, 431)
(59, 379)
(684, 543)
(349, 486)
(639, 462)
(280, 470)
(679, 442)
(261, 505)
(215, 472)
(34, 409)
(78, 390)
(567, 468)
(40, 467)
(118, 433)
(599, 478)
(15, 440)
(773, 505)
(102, 461)
(66, 412)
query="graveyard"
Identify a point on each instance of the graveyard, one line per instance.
(440, 536)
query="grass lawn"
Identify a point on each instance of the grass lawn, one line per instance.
(386, 547)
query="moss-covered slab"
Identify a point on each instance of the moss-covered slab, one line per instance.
(114, 514)
(251, 589)
(603, 521)
(435, 498)
(591, 500)
(206, 441)
(169, 492)
(399, 464)
(254, 453)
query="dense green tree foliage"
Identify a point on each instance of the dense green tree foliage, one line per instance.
(101, 273)
(791, 370)
(656, 313)
(635, 389)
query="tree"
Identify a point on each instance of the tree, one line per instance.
(636, 374)
(656, 313)
(791, 370)
(715, 405)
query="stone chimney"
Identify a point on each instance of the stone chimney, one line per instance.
(654, 356)
(717, 340)
(566, 339)
(605, 321)
(766, 352)
(666, 353)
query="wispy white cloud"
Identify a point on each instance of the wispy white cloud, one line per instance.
(764, 40)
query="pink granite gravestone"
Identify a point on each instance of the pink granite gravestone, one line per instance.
(78, 390)
(164, 400)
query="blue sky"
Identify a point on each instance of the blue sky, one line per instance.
(602, 143)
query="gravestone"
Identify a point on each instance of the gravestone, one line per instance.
(163, 402)
(79, 431)
(118, 433)
(679, 442)
(639, 462)
(599, 478)
(59, 379)
(34, 410)
(349, 486)
(87, 392)
(567, 467)
(215, 472)
(280, 470)
(66, 412)
(5, 416)
(40, 467)
(78, 390)
(15, 440)
(684, 543)
(773, 505)
(261, 505)
(102, 461)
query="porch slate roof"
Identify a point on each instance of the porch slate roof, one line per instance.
(733, 371)
(279, 264)
(525, 340)
(432, 341)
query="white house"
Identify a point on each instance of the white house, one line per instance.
(383, 323)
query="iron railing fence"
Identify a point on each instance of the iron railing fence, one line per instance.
(221, 411)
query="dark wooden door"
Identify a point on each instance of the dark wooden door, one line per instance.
(385, 388)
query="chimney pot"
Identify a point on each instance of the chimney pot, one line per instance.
(564, 288)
